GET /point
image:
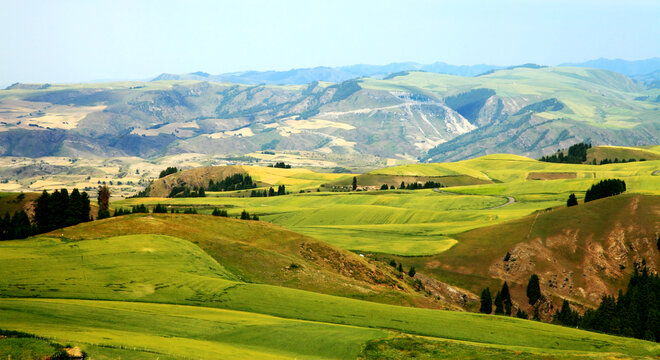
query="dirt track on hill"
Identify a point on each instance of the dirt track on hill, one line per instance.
(510, 199)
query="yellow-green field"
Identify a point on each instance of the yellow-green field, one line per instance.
(420, 222)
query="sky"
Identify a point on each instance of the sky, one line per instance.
(79, 41)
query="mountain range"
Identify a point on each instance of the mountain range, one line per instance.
(646, 71)
(415, 115)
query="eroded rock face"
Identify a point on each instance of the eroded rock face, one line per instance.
(579, 267)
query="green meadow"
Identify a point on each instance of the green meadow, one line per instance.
(245, 320)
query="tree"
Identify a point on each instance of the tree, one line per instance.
(499, 304)
(104, 202)
(271, 192)
(403, 185)
(400, 268)
(20, 225)
(533, 289)
(486, 302)
(412, 271)
(393, 263)
(572, 200)
(384, 187)
(354, 183)
(245, 215)
(506, 298)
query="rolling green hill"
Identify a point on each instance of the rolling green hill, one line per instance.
(246, 320)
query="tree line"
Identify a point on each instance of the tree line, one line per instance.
(577, 154)
(602, 189)
(281, 190)
(504, 304)
(232, 183)
(168, 171)
(52, 211)
(605, 188)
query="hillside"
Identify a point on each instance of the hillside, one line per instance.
(580, 253)
(409, 115)
(153, 278)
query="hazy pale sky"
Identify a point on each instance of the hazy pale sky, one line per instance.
(75, 41)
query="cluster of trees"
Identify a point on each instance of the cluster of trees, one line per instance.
(503, 303)
(59, 209)
(417, 186)
(411, 271)
(170, 170)
(635, 313)
(246, 216)
(605, 188)
(387, 187)
(52, 211)
(577, 154)
(17, 226)
(233, 182)
(281, 165)
(185, 191)
(616, 161)
(281, 190)
(219, 212)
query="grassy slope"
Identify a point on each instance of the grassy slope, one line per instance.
(248, 251)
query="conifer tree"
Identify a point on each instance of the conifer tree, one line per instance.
(533, 289)
(499, 304)
(354, 183)
(486, 302)
(572, 200)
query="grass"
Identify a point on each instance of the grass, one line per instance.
(154, 330)
(424, 222)
(28, 348)
(172, 272)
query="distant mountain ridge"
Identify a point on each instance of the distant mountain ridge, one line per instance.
(645, 71)
(330, 74)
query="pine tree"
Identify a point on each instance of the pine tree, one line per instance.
(499, 304)
(403, 185)
(412, 271)
(354, 183)
(271, 192)
(486, 302)
(533, 289)
(384, 187)
(400, 268)
(506, 299)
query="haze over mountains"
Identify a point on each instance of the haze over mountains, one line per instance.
(646, 71)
